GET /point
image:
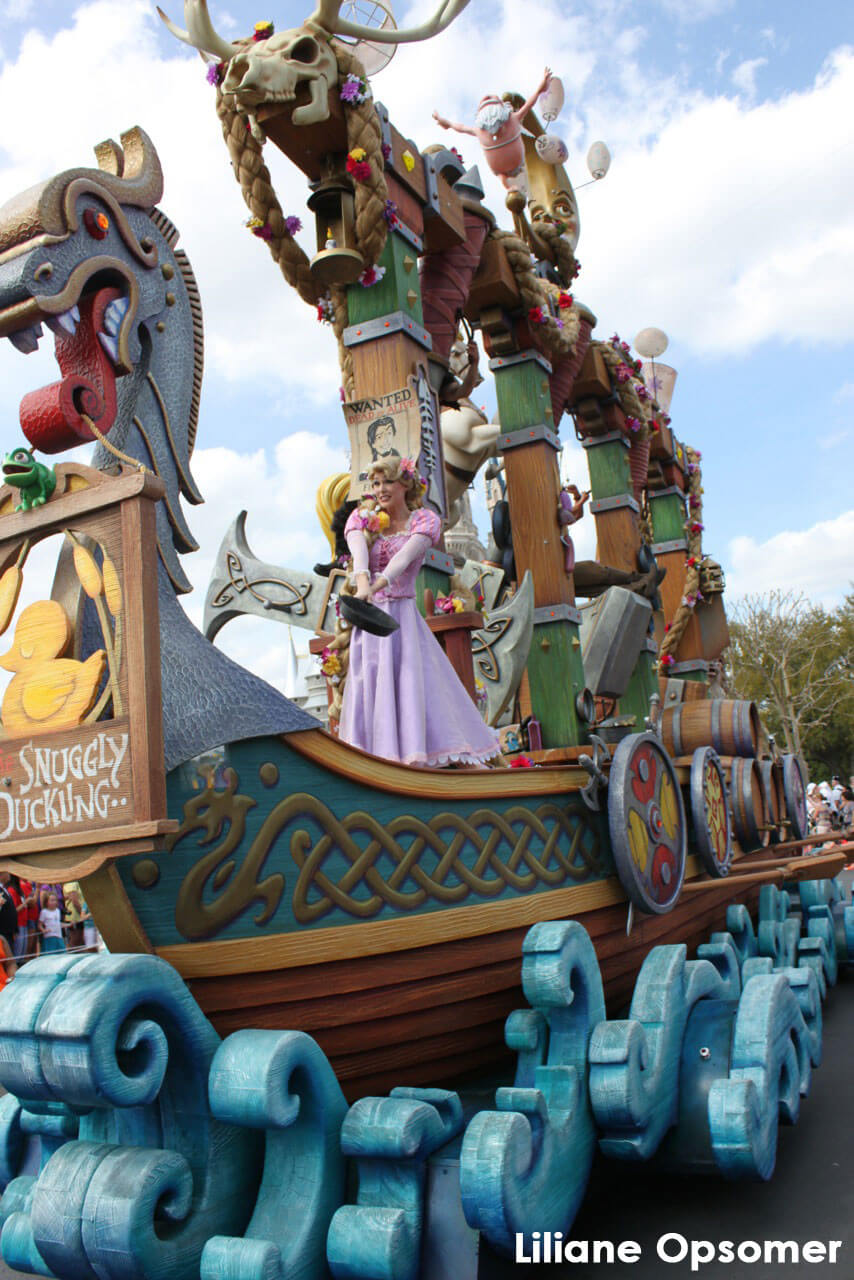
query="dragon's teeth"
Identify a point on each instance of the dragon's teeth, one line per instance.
(66, 323)
(115, 314)
(27, 340)
(110, 346)
(75, 313)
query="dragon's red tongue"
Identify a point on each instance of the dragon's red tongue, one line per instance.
(51, 417)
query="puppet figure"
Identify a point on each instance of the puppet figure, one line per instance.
(403, 699)
(498, 129)
(570, 509)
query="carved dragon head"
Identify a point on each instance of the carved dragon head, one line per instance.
(272, 69)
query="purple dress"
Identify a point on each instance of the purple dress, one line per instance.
(403, 700)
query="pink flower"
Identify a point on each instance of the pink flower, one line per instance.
(522, 762)
(564, 299)
(215, 73)
(536, 315)
(633, 424)
(666, 660)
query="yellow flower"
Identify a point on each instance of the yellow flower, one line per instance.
(383, 518)
(458, 605)
(332, 665)
(358, 153)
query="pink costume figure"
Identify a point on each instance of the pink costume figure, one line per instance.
(570, 509)
(403, 700)
(498, 129)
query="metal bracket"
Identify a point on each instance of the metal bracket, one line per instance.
(528, 435)
(382, 326)
(617, 503)
(653, 720)
(519, 357)
(598, 779)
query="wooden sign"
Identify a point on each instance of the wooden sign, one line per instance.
(81, 741)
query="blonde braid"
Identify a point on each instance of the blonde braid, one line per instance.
(257, 188)
(560, 252)
(363, 130)
(536, 293)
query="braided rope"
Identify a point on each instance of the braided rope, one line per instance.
(560, 252)
(538, 293)
(256, 185)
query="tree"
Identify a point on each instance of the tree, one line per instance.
(795, 660)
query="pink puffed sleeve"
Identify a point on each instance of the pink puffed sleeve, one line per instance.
(426, 522)
(424, 529)
(356, 541)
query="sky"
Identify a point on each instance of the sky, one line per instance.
(727, 219)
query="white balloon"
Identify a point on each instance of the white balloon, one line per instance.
(551, 149)
(651, 343)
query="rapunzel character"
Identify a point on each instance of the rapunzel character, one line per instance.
(498, 129)
(403, 700)
(570, 508)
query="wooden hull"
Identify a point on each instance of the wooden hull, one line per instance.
(434, 1013)
(380, 909)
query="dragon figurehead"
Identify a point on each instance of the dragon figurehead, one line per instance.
(89, 255)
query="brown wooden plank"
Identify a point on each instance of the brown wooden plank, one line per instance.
(618, 538)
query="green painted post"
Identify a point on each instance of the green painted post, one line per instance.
(529, 444)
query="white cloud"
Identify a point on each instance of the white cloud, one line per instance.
(818, 561)
(744, 75)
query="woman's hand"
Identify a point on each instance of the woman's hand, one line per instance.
(363, 587)
(379, 585)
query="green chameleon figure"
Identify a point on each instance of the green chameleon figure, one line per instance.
(36, 481)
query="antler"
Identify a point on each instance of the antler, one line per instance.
(326, 16)
(200, 33)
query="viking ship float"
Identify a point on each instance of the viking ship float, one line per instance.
(293, 924)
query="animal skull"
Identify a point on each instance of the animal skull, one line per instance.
(271, 70)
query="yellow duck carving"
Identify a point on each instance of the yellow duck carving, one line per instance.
(48, 692)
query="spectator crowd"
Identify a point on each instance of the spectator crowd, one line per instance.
(36, 919)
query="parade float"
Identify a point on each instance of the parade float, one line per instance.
(315, 953)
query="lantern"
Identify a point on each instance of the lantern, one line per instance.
(659, 380)
(598, 160)
(338, 261)
(550, 100)
(551, 149)
(651, 343)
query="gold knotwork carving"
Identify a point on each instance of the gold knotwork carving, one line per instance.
(406, 843)
(403, 864)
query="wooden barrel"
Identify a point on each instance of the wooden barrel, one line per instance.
(747, 802)
(775, 800)
(731, 727)
(795, 790)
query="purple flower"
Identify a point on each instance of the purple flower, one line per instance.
(292, 225)
(212, 74)
(386, 150)
(633, 424)
(390, 213)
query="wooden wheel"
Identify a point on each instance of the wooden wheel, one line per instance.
(709, 812)
(795, 791)
(646, 819)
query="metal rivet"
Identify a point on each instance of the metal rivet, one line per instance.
(170, 299)
(168, 270)
(160, 327)
(705, 1053)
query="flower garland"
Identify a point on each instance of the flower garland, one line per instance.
(644, 416)
(694, 562)
(264, 231)
(371, 276)
(358, 165)
(354, 90)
